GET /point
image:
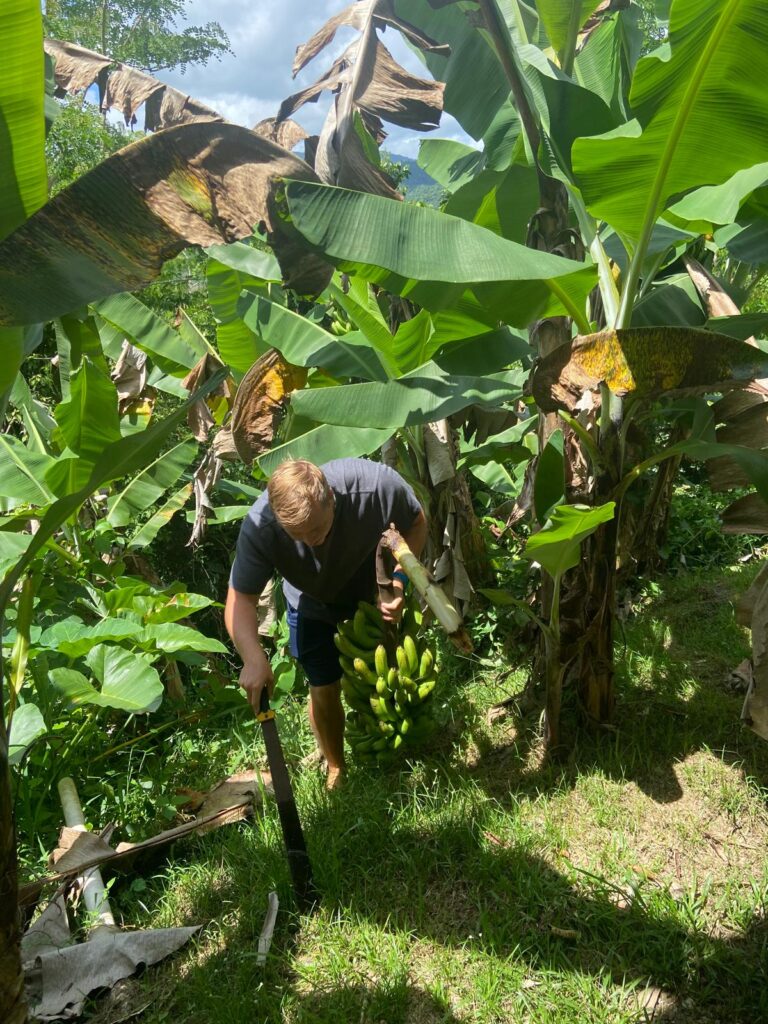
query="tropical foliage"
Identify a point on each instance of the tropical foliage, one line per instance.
(560, 307)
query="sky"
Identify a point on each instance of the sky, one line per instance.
(250, 84)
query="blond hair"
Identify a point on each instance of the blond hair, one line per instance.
(296, 489)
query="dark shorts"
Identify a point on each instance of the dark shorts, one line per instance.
(310, 641)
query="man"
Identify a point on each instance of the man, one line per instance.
(318, 527)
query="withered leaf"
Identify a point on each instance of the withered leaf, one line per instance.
(130, 376)
(285, 133)
(199, 417)
(748, 514)
(260, 401)
(114, 228)
(127, 88)
(644, 362)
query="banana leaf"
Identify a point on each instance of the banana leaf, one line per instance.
(700, 115)
(434, 259)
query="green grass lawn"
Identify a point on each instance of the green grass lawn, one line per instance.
(482, 886)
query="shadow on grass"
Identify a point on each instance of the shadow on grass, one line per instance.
(672, 661)
(448, 886)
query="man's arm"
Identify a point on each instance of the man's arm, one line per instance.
(415, 537)
(241, 617)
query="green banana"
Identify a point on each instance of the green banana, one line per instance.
(397, 741)
(387, 728)
(346, 665)
(381, 687)
(364, 671)
(426, 688)
(405, 725)
(351, 695)
(381, 661)
(411, 654)
(350, 650)
(392, 677)
(408, 684)
(402, 660)
(372, 614)
(426, 663)
(380, 744)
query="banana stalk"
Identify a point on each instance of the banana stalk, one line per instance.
(431, 592)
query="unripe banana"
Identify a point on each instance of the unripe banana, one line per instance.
(381, 661)
(372, 614)
(381, 687)
(402, 660)
(397, 741)
(350, 650)
(346, 665)
(411, 654)
(426, 688)
(392, 676)
(426, 663)
(405, 725)
(364, 672)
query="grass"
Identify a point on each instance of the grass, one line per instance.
(483, 886)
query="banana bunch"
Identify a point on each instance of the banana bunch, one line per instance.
(389, 703)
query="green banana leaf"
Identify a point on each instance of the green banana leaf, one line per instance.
(433, 258)
(88, 420)
(128, 681)
(114, 228)
(27, 726)
(645, 362)
(23, 475)
(605, 64)
(562, 20)
(356, 298)
(701, 115)
(23, 174)
(557, 546)
(147, 488)
(304, 343)
(423, 395)
(743, 326)
(702, 210)
(326, 442)
(451, 164)
(147, 532)
(500, 201)
(149, 332)
(128, 455)
(549, 482)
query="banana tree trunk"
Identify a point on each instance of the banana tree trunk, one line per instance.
(13, 1007)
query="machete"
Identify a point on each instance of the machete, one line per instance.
(298, 858)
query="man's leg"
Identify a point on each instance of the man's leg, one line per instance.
(326, 716)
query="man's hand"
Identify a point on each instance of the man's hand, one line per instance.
(254, 677)
(393, 610)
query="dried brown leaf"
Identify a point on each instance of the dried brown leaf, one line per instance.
(260, 401)
(285, 133)
(645, 362)
(130, 377)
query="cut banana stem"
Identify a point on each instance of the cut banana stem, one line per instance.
(94, 890)
(435, 596)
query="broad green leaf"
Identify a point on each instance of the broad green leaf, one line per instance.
(484, 353)
(240, 256)
(28, 725)
(128, 455)
(149, 530)
(146, 488)
(114, 228)
(356, 298)
(178, 606)
(557, 545)
(38, 421)
(237, 344)
(22, 474)
(500, 201)
(303, 343)
(12, 547)
(549, 483)
(425, 394)
(73, 638)
(562, 20)
(23, 174)
(606, 62)
(497, 476)
(128, 681)
(170, 637)
(705, 208)
(149, 332)
(743, 326)
(674, 302)
(705, 85)
(324, 443)
(88, 420)
(451, 164)
(645, 362)
(222, 514)
(434, 258)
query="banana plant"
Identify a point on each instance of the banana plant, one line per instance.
(567, 220)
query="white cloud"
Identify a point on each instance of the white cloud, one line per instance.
(250, 84)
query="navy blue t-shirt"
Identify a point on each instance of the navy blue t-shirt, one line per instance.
(326, 582)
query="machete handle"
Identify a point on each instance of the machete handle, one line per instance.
(265, 712)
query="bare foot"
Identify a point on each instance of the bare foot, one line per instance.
(335, 778)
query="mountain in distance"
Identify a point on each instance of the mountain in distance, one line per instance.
(418, 186)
